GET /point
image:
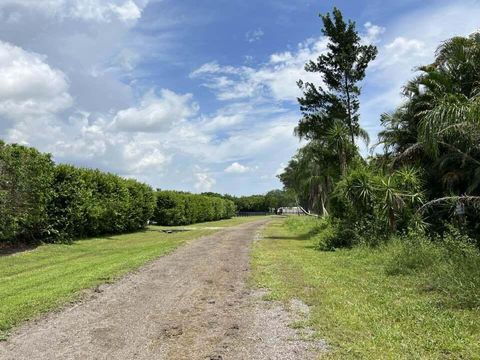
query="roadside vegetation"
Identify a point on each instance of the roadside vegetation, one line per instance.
(391, 265)
(44, 278)
(399, 300)
(426, 181)
(423, 191)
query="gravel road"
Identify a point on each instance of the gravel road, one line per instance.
(191, 304)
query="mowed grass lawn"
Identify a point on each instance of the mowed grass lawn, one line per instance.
(362, 312)
(38, 280)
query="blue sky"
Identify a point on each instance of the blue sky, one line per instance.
(193, 95)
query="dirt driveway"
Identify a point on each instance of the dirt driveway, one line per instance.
(191, 304)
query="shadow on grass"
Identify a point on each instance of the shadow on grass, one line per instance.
(11, 249)
(302, 237)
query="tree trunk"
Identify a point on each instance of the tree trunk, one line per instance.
(349, 110)
(343, 162)
(392, 221)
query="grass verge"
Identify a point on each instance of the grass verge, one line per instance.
(361, 310)
(42, 279)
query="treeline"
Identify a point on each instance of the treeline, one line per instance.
(427, 178)
(181, 208)
(260, 203)
(41, 201)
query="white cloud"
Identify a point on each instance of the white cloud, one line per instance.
(156, 113)
(237, 168)
(204, 182)
(28, 85)
(88, 10)
(128, 59)
(144, 157)
(254, 35)
(222, 122)
(276, 79)
(128, 11)
(373, 33)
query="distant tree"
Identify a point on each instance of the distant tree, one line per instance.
(275, 199)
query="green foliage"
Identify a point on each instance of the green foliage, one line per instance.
(43, 202)
(449, 264)
(330, 115)
(431, 144)
(372, 205)
(88, 202)
(253, 203)
(275, 199)
(180, 208)
(260, 203)
(342, 67)
(356, 307)
(438, 129)
(25, 190)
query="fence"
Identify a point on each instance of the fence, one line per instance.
(252, 213)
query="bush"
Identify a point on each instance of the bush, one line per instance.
(180, 208)
(25, 190)
(371, 205)
(88, 202)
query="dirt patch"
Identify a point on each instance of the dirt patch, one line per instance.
(191, 304)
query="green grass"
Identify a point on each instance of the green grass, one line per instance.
(361, 310)
(42, 279)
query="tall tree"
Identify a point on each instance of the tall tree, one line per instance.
(342, 67)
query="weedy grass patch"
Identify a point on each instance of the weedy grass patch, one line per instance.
(358, 305)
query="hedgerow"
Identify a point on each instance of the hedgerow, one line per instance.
(26, 178)
(41, 201)
(88, 202)
(180, 208)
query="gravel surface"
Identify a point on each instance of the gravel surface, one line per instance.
(191, 304)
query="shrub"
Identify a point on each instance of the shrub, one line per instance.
(25, 191)
(180, 208)
(371, 205)
(89, 202)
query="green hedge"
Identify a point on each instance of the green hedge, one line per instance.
(26, 178)
(179, 208)
(40, 201)
(89, 202)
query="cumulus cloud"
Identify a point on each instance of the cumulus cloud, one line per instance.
(275, 79)
(236, 168)
(88, 10)
(373, 33)
(28, 85)
(156, 113)
(204, 182)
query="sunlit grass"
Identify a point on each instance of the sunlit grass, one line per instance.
(360, 310)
